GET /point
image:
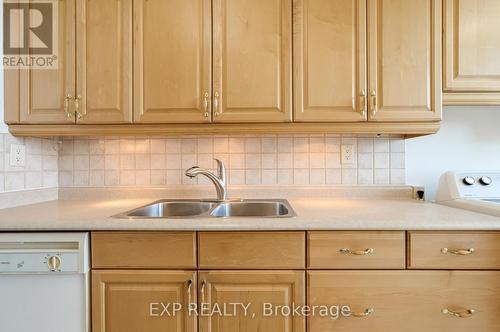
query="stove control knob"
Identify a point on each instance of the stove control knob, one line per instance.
(54, 263)
(485, 180)
(469, 180)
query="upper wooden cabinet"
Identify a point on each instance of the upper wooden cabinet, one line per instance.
(44, 95)
(471, 52)
(93, 80)
(404, 60)
(330, 60)
(402, 53)
(104, 66)
(252, 60)
(172, 61)
(174, 66)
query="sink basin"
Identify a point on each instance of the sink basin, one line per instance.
(171, 209)
(275, 208)
(253, 209)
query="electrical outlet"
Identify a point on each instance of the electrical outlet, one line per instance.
(17, 155)
(347, 154)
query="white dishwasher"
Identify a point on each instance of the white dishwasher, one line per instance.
(44, 282)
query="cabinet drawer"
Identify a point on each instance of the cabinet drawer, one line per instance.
(356, 250)
(155, 250)
(252, 250)
(406, 300)
(454, 250)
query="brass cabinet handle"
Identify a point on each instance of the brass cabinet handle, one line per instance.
(67, 99)
(460, 252)
(216, 104)
(362, 98)
(367, 312)
(347, 251)
(190, 284)
(77, 107)
(373, 97)
(460, 314)
(205, 104)
(202, 290)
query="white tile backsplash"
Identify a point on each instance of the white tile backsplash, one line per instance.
(41, 170)
(252, 160)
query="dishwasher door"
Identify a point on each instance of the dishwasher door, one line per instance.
(44, 282)
(43, 303)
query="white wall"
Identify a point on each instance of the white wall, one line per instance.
(3, 127)
(469, 139)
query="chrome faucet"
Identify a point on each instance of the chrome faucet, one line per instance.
(219, 180)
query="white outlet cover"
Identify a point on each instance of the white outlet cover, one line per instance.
(17, 155)
(347, 154)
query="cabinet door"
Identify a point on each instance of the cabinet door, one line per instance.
(172, 59)
(104, 72)
(404, 53)
(472, 50)
(42, 92)
(329, 60)
(130, 301)
(254, 288)
(252, 60)
(406, 300)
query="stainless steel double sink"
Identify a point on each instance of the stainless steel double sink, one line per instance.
(177, 208)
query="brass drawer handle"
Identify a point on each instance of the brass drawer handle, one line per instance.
(461, 252)
(347, 251)
(460, 314)
(367, 312)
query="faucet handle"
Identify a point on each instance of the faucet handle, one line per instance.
(221, 170)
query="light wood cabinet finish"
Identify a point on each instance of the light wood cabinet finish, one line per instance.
(11, 98)
(356, 250)
(404, 60)
(121, 301)
(251, 250)
(252, 60)
(172, 61)
(472, 45)
(42, 91)
(104, 67)
(257, 288)
(426, 250)
(406, 300)
(471, 52)
(149, 250)
(329, 60)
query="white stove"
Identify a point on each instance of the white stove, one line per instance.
(475, 191)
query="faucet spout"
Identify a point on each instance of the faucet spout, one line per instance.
(219, 180)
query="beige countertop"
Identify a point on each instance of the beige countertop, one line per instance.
(93, 211)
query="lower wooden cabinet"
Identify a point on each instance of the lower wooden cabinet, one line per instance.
(257, 288)
(253, 281)
(131, 301)
(407, 300)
